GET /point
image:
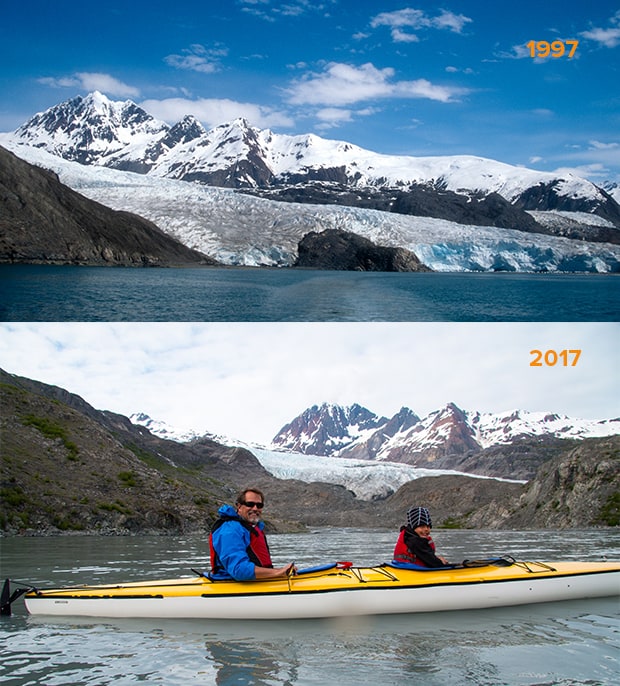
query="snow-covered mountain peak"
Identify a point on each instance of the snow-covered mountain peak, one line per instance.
(98, 102)
(90, 128)
(189, 127)
(322, 430)
(163, 429)
(374, 455)
(96, 130)
(446, 431)
(240, 124)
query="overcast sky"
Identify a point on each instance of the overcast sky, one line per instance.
(246, 380)
(414, 78)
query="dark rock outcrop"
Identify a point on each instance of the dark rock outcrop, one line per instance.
(44, 221)
(346, 251)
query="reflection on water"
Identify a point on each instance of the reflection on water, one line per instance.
(574, 643)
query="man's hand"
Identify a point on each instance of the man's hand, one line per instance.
(268, 573)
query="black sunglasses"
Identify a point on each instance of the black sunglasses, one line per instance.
(250, 503)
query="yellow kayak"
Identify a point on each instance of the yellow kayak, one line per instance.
(335, 590)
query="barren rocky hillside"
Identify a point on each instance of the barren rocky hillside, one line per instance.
(69, 468)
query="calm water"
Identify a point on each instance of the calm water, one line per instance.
(50, 293)
(574, 643)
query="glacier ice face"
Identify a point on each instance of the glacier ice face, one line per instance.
(239, 229)
(368, 480)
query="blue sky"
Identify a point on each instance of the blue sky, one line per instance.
(400, 77)
(246, 380)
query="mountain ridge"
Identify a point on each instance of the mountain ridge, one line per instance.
(238, 229)
(500, 445)
(121, 135)
(447, 230)
(448, 438)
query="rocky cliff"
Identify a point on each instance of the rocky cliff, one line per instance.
(44, 221)
(69, 467)
(579, 488)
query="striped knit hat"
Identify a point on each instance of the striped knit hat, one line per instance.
(418, 516)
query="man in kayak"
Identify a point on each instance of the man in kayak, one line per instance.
(238, 543)
(415, 544)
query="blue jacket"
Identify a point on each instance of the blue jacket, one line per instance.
(231, 541)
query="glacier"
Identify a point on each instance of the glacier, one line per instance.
(242, 230)
(367, 480)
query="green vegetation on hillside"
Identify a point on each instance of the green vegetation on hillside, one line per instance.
(52, 430)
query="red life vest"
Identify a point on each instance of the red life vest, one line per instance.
(403, 554)
(258, 544)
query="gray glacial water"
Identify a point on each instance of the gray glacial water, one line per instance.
(574, 643)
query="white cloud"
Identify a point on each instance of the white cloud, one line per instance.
(597, 161)
(599, 145)
(609, 37)
(331, 117)
(417, 20)
(198, 58)
(247, 380)
(455, 70)
(294, 8)
(518, 52)
(213, 111)
(343, 84)
(421, 88)
(400, 36)
(333, 114)
(594, 171)
(453, 22)
(91, 81)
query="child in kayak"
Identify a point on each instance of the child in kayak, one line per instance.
(415, 544)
